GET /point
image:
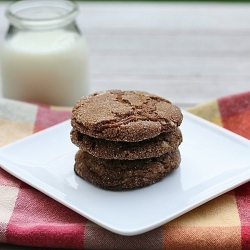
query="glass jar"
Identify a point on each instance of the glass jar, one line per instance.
(44, 57)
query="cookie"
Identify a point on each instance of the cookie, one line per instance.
(154, 147)
(125, 115)
(124, 174)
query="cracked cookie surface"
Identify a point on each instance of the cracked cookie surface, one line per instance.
(125, 174)
(125, 115)
(154, 147)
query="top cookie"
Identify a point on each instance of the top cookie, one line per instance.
(124, 115)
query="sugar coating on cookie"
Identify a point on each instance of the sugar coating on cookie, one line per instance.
(125, 115)
(153, 147)
(125, 174)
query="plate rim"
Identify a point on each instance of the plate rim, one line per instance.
(154, 225)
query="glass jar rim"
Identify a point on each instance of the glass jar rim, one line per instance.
(18, 13)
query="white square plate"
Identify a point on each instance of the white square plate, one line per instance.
(214, 161)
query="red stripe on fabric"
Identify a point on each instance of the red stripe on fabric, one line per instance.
(58, 236)
(245, 231)
(235, 113)
(235, 104)
(47, 117)
(38, 220)
(242, 195)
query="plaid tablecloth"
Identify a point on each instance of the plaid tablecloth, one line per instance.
(30, 218)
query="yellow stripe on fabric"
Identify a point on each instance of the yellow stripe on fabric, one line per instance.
(60, 108)
(209, 111)
(219, 212)
(14, 130)
(214, 225)
(8, 196)
(200, 238)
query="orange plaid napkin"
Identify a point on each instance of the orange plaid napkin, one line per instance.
(30, 218)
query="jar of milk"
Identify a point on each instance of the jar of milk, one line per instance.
(44, 56)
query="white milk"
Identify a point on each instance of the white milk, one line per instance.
(46, 67)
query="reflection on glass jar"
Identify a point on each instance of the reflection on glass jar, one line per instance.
(44, 57)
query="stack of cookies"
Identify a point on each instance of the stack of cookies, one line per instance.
(126, 139)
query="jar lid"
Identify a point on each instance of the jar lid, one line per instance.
(41, 14)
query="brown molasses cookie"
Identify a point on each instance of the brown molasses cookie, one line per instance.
(124, 115)
(124, 174)
(154, 147)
